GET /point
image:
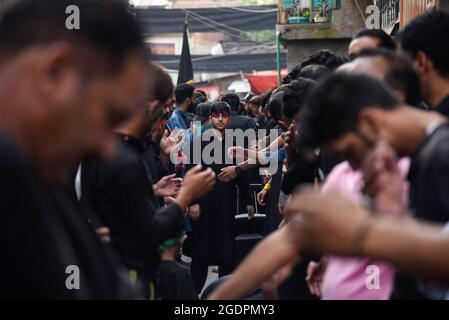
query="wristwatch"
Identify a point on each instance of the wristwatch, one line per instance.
(238, 169)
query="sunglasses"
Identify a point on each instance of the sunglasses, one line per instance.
(224, 115)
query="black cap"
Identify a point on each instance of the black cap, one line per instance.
(171, 228)
(202, 112)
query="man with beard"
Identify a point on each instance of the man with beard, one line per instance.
(185, 96)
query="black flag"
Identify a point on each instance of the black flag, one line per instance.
(185, 74)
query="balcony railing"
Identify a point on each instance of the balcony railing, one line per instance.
(305, 11)
(389, 12)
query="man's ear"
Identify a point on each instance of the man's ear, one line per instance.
(368, 121)
(424, 64)
(152, 106)
(56, 70)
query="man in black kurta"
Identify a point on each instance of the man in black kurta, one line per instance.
(213, 215)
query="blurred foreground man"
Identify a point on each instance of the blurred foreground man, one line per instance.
(61, 93)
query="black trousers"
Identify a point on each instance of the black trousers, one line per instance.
(145, 282)
(199, 270)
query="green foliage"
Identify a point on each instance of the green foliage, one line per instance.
(261, 36)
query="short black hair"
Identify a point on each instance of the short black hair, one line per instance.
(232, 99)
(294, 96)
(429, 33)
(183, 92)
(332, 108)
(266, 97)
(385, 40)
(275, 106)
(170, 229)
(257, 101)
(249, 96)
(162, 84)
(314, 72)
(401, 75)
(199, 98)
(106, 29)
(220, 106)
(325, 58)
(200, 92)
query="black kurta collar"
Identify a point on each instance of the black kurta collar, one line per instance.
(443, 107)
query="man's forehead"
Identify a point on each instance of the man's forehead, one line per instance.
(367, 41)
(373, 66)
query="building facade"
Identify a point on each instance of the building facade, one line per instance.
(306, 26)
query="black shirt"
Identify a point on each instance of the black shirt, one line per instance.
(120, 191)
(241, 122)
(156, 168)
(41, 234)
(443, 107)
(300, 173)
(429, 177)
(428, 196)
(175, 282)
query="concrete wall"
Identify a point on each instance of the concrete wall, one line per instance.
(299, 50)
(304, 39)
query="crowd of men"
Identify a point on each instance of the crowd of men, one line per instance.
(111, 176)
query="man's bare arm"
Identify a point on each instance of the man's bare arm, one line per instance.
(334, 224)
(416, 247)
(278, 250)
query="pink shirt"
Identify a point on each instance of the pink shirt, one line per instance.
(346, 278)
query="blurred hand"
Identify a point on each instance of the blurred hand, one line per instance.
(195, 212)
(169, 200)
(261, 196)
(170, 142)
(250, 210)
(198, 183)
(168, 186)
(327, 222)
(227, 174)
(383, 181)
(104, 234)
(315, 273)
